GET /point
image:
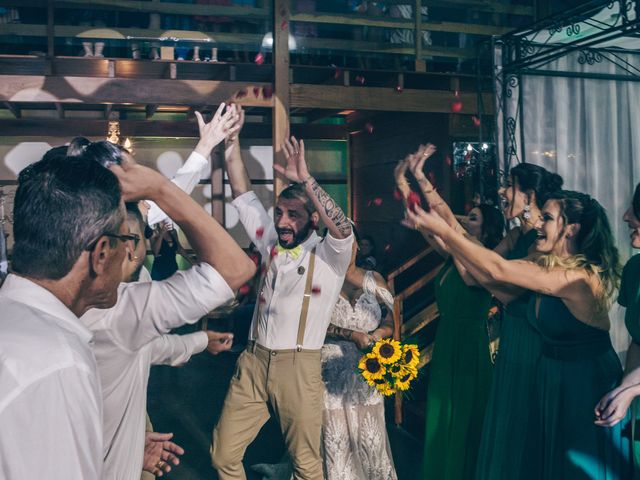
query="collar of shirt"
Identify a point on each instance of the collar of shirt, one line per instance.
(25, 291)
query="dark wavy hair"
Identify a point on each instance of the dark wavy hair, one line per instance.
(492, 225)
(537, 179)
(597, 251)
(296, 191)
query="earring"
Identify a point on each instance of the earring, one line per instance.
(527, 211)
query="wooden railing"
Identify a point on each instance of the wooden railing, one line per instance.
(405, 329)
(262, 12)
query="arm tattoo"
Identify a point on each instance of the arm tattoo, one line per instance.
(332, 210)
(338, 332)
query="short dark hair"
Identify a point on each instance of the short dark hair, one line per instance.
(537, 179)
(62, 204)
(492, 225)
(134, 213)
(103, 152)
(636, 201)
(296, 191)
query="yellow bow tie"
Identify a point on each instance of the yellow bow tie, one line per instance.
(293, 253)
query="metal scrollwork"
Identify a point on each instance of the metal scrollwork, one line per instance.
(512, 83)
(589, 57)
(573, 29)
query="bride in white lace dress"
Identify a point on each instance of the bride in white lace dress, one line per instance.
(355, 441)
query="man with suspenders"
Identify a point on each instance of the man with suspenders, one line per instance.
(301, 280)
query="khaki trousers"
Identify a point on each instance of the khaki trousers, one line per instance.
(291, 383)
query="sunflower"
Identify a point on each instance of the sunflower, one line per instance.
(403, 383)
(387, 350)
(410, 355)
(372, 368)
(384, 387)
(399, 369)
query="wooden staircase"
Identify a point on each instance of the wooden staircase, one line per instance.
(412, 279)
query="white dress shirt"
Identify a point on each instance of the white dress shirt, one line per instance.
(131, 336)
(187, 177)
(278, 311)
(50, 399)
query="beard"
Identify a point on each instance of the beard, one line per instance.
(297, 237)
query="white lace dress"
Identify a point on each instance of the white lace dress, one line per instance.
(354, 434)
(355, 442)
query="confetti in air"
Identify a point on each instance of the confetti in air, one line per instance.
(259, 60)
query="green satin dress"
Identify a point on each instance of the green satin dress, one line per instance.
(502, 447)
(459, 378)
(577, 367)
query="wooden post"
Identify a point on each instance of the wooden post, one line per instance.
(281, 90)
(420, 64)
(50, 38)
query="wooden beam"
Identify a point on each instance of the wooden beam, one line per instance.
(107, 110)
(51, 33)
(452, 27)
(281, 105)
(67, 128)
(92, 90)
(149, 110)
(13, 108)
(60, 110)
(384, 99)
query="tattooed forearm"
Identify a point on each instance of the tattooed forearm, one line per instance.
(330, 211)
(338, 332)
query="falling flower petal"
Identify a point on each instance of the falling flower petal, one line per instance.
(397, 195)
(267, 92)
(256, 91)
(244, 290)
(476, 121)
(448, 160)
(283, 25)
(315, 290)
(399, 89)
(369, 127)
(413, 200)
(377, 201)
(274, 252)
(259, 233)
(456, 106)
(259, 58)
(360, 79)
(242, 93)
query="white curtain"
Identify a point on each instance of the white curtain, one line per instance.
(588, 131)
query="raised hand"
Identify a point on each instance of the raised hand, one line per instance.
(234, 130)
(296, 168)
(427, 222)
(138, 182)
(160, 453)
(212, 133)
(219, 342)
(418, 159)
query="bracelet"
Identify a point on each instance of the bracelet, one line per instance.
(423, 180)
(402, 181)
(349, 335)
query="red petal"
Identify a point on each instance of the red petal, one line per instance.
(448, 160)
(256, 91)
(260, 232)
(360, 79)
(261, 300)
(456, 106)
(399, 89)
(369, 203)
(274, 252)
(259, 58)
(397, 195)
(315, 290)
(267, 92)
(369, 127)
(337, 73)
(283, 25)
(244, 290)
(242, 93)
(413, 200)
(476, 121)
(377, 201)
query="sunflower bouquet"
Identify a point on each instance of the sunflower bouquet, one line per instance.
(390, 366)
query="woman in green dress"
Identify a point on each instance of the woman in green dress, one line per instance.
(571, 281)
(501, 448)
(614, 405)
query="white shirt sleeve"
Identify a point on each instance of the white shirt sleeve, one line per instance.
(256, 222)
(147, 310)
(65, 445)
(336, 252)
(187, 177)
(177, 349)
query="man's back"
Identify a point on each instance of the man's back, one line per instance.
(50, 400)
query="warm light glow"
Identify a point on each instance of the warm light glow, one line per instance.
(128, 146)
(113, 132)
